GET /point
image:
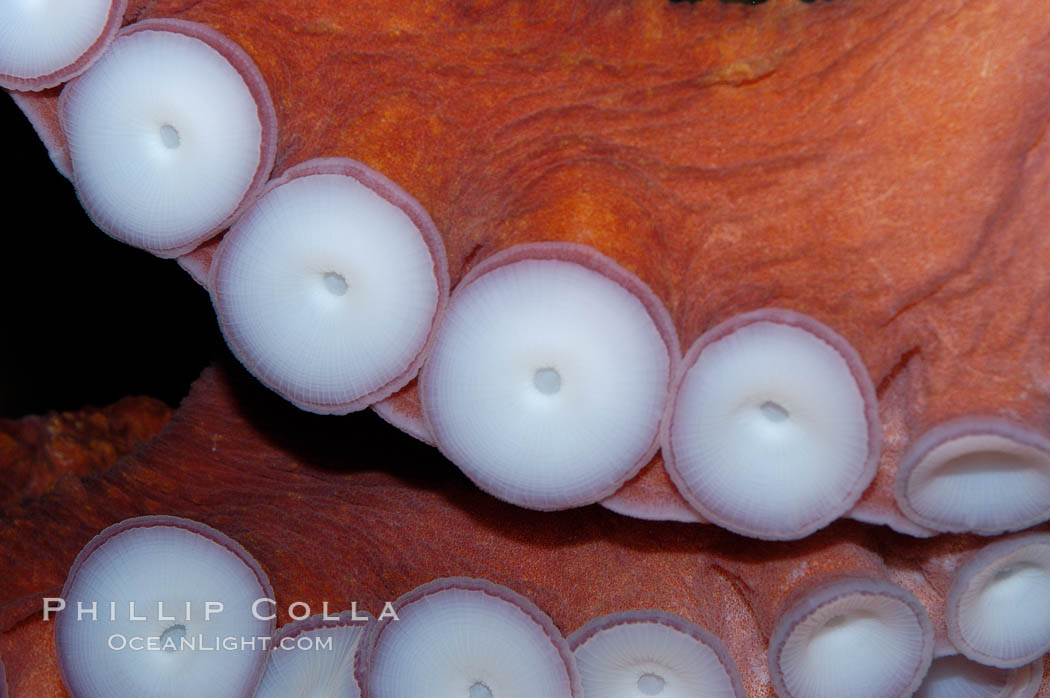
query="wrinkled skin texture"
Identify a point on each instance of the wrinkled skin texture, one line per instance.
(881, 167)
(37, 452)
(373, 526)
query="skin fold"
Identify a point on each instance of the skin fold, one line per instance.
(371, 527)
(793, 155)
(879, 167)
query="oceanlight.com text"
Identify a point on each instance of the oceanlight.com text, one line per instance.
(216, 643)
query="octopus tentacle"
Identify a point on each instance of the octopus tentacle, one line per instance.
(315, 656)
(549, 374)
(45, 44)
(774, 428)
(644, 651)
(466, 635)
(200, 573)
(985, 475)
(171, 134)
(956, 676)
(329, 288)
(999, 602)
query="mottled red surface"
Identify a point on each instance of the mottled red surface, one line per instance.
(882, 167)
(879, 167)
(369, 523)
(37, 452)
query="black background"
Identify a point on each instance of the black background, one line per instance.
(85, 320)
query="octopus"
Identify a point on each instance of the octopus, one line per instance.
(704, 326)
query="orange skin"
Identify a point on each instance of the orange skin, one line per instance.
(796, 155)
(878, 166)
(368, 526)
(328, 527)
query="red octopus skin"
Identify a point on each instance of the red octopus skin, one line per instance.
(882, 169)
